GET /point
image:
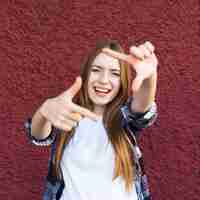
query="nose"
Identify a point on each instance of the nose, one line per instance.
(104, 77)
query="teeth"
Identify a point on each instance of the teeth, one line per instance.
(101, 90)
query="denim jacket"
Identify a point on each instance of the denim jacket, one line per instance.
(133, 123)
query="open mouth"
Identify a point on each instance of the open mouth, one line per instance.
(101, 91)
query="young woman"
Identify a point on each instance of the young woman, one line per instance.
(92, 157)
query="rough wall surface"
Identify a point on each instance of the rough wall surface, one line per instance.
(41, 47)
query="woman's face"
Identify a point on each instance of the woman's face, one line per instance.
(104, 81)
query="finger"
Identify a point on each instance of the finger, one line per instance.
(137, 82)
(85, 112)
(137, 52)
(69, 122)
(127, 58)
(74, 89)
(133, 60)
(149, 46)
(145, 50)
(115, 54)
(75, 116)
(64, 127)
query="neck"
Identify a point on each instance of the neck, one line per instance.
(98, 110)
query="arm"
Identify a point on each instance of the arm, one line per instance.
(145, 96)
(39, 142)
(144, 62)
(40, 127)
(39, 130)
(135, 121)
(143, 107)
(57, 114)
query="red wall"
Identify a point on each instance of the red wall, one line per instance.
(41, 47)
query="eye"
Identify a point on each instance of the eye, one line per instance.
(94, 70)
(116, 74)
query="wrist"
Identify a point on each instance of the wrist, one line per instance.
(150, 81)
(41, 110)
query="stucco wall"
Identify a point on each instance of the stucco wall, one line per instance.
(41, 47)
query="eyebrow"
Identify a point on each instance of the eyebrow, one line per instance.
(100, 67)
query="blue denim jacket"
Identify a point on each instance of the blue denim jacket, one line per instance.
(133, 123)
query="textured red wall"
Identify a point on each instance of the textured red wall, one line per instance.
(41, 47)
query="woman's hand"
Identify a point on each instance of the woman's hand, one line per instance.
(62, 112)
(142, 59)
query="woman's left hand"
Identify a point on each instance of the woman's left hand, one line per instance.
(142, 59)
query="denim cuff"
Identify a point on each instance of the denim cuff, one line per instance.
(136, 121)
(39, 142)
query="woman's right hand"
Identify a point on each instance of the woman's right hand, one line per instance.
(62, 112)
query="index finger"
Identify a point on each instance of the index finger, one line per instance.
(115, 54)
(85, 112)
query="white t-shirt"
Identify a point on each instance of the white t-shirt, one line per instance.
(88, 166)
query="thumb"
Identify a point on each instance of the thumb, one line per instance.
(75, 87)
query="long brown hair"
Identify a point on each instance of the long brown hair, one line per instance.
(124, 162)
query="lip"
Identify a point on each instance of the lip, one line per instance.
(102, 93)
(102, 88)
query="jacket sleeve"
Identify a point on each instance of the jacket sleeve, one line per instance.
(135, 122)
(39, 142)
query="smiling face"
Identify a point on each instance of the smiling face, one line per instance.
(104, 81)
